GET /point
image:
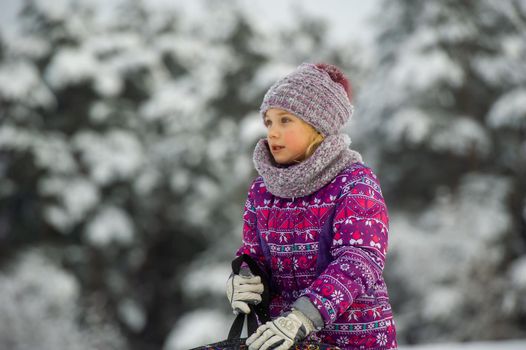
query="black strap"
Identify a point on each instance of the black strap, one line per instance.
(260, 310)
(237, 325)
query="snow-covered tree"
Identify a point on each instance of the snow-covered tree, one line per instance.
(445, 127)
(126, 144)
(41, 308)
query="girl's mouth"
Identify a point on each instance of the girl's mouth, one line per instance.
(277, 148)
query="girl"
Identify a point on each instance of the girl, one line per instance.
(315, 221)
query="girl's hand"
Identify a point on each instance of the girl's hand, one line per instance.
(243, 289)
(281, 333)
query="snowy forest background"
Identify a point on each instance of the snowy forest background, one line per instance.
(125, 158)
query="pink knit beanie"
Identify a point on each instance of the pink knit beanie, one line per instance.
(319, 94)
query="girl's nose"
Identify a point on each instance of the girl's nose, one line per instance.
(272, 132)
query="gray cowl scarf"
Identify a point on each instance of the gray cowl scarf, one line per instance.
(297, 180)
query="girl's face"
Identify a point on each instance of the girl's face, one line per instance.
(288, 136)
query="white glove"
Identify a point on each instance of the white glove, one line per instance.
(242, 290)
(281, 333)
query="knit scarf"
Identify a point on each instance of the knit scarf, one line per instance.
(297, 180)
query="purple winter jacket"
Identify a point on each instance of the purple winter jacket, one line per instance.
(329, 246)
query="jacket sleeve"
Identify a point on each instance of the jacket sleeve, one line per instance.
(359, 245)
(251, 244)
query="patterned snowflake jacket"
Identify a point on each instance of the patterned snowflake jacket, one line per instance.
(329, 246)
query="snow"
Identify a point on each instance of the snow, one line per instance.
(107, 82)
(506, 68)
(106, 44)
(500, 345)
(197, 328)
(219, 146)
(52, 152)
(132, 314)
(206, 63)
(195, 212)
(450, 259)
(251, 129)
(110, 225)
(58, 10)
(174, 101)
(20, 82)
(420, 70)
(134, 58)
(58, 217)
(70, 67)
(76, 196)
(220, 23)
(513, 46)
(50, 149)
(113, 155)
(13, 138)
(509, 110)
(518, 273)
(180, 180)
(441, 302)
(266, 75)
(32, 268)
(39, 308)
(146, 181)
(412, 125)
(452, 28)
(207, 279)
(499, 71)
(29, 46)
(37, 305)
(461, 136)
(99, 112)
(206, 188)
(452, 232)
(242, 168)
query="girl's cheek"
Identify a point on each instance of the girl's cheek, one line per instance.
(289, 138)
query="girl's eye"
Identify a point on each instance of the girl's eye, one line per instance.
(283, 120)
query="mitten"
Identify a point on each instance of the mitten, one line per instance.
(281, 333)
(243, 289)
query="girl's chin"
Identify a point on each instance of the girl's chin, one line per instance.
(286, 162)
(281, 161)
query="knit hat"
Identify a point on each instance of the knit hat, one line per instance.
(317, 93)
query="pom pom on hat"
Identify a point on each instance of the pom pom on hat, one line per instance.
(337, 76)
